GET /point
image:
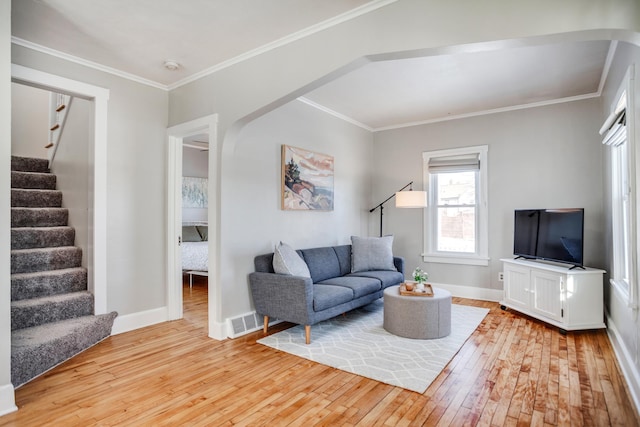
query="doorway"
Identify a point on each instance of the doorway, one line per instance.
(177, 137)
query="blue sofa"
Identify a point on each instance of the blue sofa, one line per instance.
(331, 290)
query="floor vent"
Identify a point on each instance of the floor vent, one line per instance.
(244, 324)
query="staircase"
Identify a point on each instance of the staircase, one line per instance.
(52, 313)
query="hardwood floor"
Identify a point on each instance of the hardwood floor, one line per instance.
(513, 370)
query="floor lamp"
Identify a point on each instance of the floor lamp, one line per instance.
(404, 199)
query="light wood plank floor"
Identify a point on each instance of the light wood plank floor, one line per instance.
(512, 371)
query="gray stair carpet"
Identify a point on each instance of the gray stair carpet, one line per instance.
(52, 312)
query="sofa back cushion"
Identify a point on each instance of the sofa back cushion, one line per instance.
(344, 258)
(322, 262)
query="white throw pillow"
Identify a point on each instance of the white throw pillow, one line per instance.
(287, 261)
(371, 253)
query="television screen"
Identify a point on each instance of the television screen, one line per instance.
(551, 234)
(526, 232)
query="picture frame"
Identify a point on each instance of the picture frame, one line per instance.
(307, 180)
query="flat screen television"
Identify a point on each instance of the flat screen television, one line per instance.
(550, 234)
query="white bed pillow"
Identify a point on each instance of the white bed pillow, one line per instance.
(287, 261)
(371, 253)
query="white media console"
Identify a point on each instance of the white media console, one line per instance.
(571, 299)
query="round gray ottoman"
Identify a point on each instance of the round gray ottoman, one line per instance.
(418, 317)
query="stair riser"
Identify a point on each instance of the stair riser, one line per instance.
(30, 217)
(27, 315)
(36, 198)
(35, 237)
(35, 351)
(26, 164)
(28, 261)
(36, 285)
(41, 181)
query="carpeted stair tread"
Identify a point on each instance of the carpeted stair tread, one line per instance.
(35, 198)
(29, 164)
(38, 349)
(28, 313)
(39, 217)
(43, 259)
(45, 283)
(42, 237)
(40, 180)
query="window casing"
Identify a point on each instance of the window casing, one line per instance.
(617, 136)
(456, 220)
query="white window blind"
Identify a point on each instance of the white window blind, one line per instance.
(462, 163)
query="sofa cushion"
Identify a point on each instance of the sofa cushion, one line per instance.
(371, 253)
(359, 285)
(327, 296)
(344, 258)
(323, 263)
(386, 277)
(287, 261)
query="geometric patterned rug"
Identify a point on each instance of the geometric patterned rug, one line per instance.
(358, 343)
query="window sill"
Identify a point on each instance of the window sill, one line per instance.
(456, 259)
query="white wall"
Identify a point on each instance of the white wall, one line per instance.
(545, 157)
(29, 121)
(7, 400)
(254, 221)
(195, 163)
(624, 322)
(136, 164)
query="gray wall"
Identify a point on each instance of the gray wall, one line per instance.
(254, 221)
(29, 121)
(545, 157)
(249, 89)
(136, 164)
(624, 323)
(71, 165)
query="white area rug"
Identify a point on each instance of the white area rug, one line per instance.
(357, 343)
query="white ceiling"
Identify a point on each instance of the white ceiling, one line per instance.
(135, 37)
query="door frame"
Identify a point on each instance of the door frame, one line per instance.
(97, 253)
(175, 135)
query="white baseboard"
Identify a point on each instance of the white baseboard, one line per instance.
(7, 399)
(130, 322)
(626, 362)
(472, 292)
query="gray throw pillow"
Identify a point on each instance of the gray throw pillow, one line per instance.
(371, 253)
(287, 261)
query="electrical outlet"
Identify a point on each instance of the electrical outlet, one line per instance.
(501, 277)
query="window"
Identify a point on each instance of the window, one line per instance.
(616, 136)
(456, 219)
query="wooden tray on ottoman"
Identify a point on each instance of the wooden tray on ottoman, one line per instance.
(428, 291)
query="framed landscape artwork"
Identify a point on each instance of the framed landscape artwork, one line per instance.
(307, 180)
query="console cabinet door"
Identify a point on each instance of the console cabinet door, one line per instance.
(517, 285)
(547, 291)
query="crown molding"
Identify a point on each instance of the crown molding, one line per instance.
(90, 64)
(366, 8)
(335, 113)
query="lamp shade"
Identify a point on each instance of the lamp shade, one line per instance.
(411, 199)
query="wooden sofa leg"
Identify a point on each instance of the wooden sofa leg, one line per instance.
(307, 334)
(266, 324)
